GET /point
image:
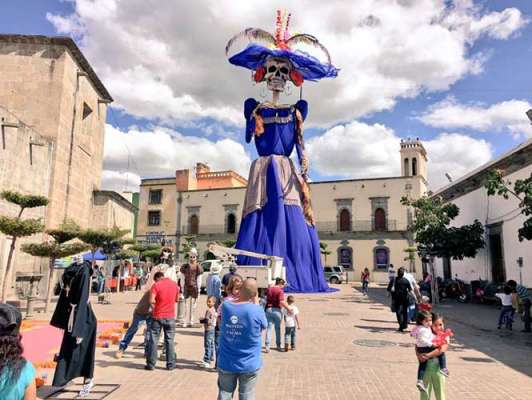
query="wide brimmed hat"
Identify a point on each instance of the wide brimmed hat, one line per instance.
(255, 55)
(282, 45)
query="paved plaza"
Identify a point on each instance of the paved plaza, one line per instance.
(348, 348)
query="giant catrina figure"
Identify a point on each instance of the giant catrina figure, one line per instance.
(277, 215)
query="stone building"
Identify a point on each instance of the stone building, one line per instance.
(47, 83)
(25, 166)
(362, 221)
(498, 260)
(53, 110)
(111, 209)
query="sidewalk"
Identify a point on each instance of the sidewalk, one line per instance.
(479, 321)
(348, 348)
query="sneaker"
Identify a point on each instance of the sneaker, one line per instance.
(421, 386)
(286, 348)
(205, 364)
(499, 327)
(86, 389)
(267, 350)
(445, 372)
(119, 353)
(148, 368)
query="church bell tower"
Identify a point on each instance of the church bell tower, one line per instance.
(413, 158)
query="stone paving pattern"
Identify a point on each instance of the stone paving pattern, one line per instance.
(484, 363)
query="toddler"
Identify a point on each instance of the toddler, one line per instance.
(425, 304)
(209, 323)
(506, 316)
(291, 319)
(425, 339)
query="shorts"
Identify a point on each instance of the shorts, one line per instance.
(191, 291)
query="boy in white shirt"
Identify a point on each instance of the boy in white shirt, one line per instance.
(506, 316)
(291, 319)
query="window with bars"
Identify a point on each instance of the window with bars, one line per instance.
(156, 196)
(154, 218)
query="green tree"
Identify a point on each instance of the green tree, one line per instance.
(188, 243)
(108, 240)
(141, 249)
(434, 236)
(522, 190)
(17, 227)
(324, 250)
(54, 249)
(152, 254)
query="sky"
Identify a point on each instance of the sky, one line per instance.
(456, 74)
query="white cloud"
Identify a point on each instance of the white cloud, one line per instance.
(455, 154)
(167, 62)
(160, 152)
(120, 181)
(507, 116)
(359, 150)
(355, 150)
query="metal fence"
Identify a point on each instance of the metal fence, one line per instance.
(323, 226)
(360, 226)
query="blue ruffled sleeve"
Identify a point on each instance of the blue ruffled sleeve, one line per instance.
(250, 105)
(302, 106)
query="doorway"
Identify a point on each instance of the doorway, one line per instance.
(447, 271)
(498, 272)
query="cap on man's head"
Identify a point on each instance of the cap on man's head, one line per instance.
(10, 320)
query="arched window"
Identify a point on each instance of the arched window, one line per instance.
(414, 166)
(381, 258)
(345, 220)
(231, 223)
(345, 256)
(406, 167)
(194, 225)
(380, 219)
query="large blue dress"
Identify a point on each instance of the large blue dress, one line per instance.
(276, 225)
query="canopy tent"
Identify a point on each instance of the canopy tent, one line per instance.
(98, 256)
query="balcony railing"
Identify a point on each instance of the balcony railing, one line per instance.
(361, 226)
(323, 227)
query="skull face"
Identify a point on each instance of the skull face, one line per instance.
(277, 73)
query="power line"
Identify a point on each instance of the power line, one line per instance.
(130, 158)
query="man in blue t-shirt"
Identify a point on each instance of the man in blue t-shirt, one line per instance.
(239, 359)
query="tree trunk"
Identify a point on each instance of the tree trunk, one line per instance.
(434, 282)
(8, 269)
(50, 284)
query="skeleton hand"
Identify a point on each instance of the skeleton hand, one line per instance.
(79, 340)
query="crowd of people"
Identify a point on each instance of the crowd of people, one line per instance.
(235, 321)
(239, 325)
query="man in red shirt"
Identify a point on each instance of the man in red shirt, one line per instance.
(274, 315)
(163, 298)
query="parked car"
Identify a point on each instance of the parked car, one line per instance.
(334, 274)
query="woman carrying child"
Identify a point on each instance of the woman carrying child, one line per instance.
(433, 380)
(426, 342)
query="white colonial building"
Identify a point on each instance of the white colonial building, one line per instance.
(501, 217)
